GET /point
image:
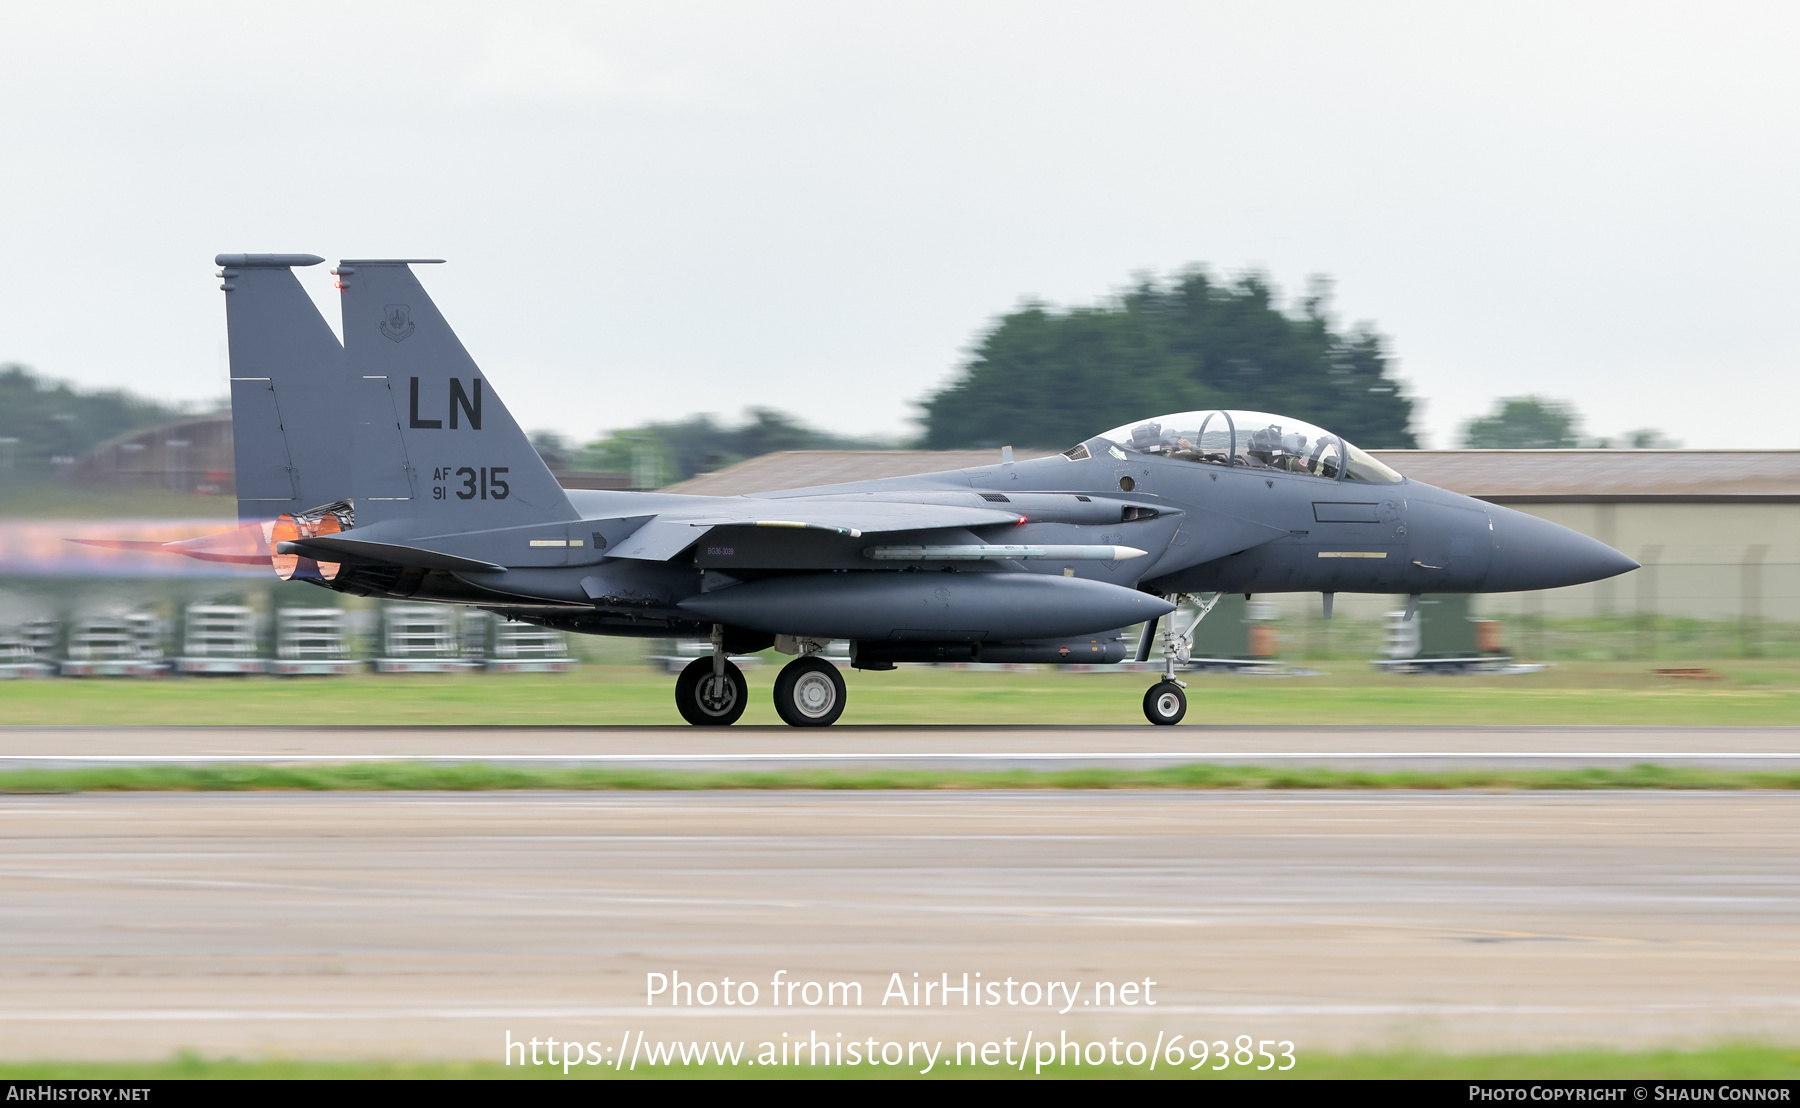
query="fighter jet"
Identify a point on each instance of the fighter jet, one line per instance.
(388, 467)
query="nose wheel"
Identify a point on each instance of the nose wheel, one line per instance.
(1165, 703)
(709, 699)
(809, 692)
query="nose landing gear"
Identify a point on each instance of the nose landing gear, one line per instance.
(1165, 704)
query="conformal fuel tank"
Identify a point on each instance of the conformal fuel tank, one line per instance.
(939, 607)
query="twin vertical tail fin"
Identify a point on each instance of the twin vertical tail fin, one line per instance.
(395, 425)
(290, 437)
(430, 442)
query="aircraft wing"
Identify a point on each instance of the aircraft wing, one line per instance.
(670, 533)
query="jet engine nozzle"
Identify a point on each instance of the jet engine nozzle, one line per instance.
(332, 519)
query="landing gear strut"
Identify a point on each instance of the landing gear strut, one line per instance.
(1166, 703)
(712, 692)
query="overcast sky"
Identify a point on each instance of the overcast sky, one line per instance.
(654, 209)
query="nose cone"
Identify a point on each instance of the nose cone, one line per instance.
(1532, 553)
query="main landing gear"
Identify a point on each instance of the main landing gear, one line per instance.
(1165, 704)
(809, 691)
(712, 692)
(711, 699)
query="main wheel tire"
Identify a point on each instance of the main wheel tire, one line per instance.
(809, 693)
(708, 701)
(1165, 704)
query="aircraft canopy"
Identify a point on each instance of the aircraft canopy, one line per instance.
(1250, 440)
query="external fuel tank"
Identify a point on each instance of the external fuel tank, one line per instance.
(926, 606)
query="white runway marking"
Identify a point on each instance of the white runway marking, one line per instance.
(982, 756)
(202, 1015)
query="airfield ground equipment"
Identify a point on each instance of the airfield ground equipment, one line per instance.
(126, 645)
(41, 635)
(313, 642)
(420, 638)
(19, 657)
(510, 646)
(219, 639)
(1442, 637)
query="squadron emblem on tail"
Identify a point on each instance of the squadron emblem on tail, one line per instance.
(396, 322)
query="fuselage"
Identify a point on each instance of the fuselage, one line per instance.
(1298, 533)
(1242, 526)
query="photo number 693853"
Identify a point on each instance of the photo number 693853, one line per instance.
(471, 483)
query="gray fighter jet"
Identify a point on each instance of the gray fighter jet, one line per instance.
(387, 466)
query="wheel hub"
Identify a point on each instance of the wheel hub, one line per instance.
(1167, 704)
(814, 694)
(717, 695)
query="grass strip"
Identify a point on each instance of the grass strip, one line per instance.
(478, 776)
(1611, 694)
(1732, 1061)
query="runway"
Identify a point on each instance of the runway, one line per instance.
(432, 925)
(919, 747)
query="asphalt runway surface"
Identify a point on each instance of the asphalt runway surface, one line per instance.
(920, 747)
(434, 925)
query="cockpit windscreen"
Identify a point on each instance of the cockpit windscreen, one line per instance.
(1251, 440)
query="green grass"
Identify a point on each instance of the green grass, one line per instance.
(1618, 694)
(479, 777)
(1728, 1062)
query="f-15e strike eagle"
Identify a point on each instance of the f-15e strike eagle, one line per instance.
(387, 466)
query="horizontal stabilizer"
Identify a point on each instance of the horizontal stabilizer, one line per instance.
(338, 548)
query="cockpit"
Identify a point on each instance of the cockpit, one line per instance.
(1246, 440)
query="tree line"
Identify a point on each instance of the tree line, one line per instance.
(1544, 423)
(661, 453)
(43, 421)
(1050, 378)
(1038, 376)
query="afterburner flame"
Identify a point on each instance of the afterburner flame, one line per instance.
(332, 519)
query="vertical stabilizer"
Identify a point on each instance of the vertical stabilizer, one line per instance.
(290, 439)
(432, 442)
